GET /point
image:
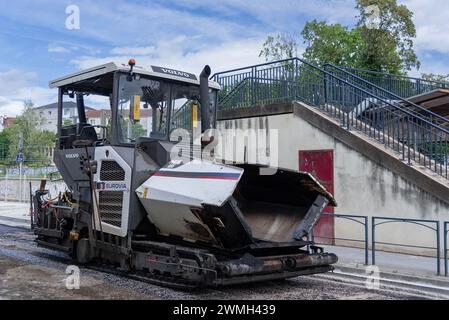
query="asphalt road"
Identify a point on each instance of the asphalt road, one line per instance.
(29, 272)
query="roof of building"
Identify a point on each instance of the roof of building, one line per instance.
(67, 105)
(97, 113)
(8, 121)
(436, 101)
(159, 72)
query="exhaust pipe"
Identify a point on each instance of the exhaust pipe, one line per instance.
(206, 113)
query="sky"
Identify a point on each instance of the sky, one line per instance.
(36, 45)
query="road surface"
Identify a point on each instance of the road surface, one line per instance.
(30, 272)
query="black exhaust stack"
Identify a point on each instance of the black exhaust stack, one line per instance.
(206, 113)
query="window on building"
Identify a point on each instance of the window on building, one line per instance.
(92, 122)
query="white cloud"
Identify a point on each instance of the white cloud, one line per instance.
(430, 18)
(12, 80)
(134, 51)
(57, 49)
(281, 13)
(16, 87)
(228, 55)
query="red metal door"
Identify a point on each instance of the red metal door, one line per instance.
(321, 165)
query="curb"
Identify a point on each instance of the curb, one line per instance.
(15, 222)
(422, 279)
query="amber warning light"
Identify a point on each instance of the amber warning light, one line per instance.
(131, 63)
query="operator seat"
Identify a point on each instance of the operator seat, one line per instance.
(79, 131)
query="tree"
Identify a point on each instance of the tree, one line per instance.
(138, 130)
(279, 47)
(381, 41)
(5, 142)
(435, 77)
(36, 142)
(331, 43)
(387, 30)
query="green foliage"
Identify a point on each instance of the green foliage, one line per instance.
(389, 45)
(279, 47)
(5, 141)
(435, 77)
(138, 130)
(36, 143)
(331, 43)
(437, 151)
(383, 43)
(67, 122)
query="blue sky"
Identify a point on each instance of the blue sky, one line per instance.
(185, 34)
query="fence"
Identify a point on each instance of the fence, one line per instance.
(417, 137)
(401, 85)
(33, 155)
(385, 93)
(445, 249)
(361, 220)
(422, 223)
(432, 225)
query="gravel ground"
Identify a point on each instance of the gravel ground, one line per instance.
(29, 272)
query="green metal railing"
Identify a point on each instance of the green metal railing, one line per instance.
(183, 117)
(384, 93)
(416, 136)
(33, 155)
(402, 86)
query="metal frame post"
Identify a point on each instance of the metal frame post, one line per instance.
(438, 249)
(366, 242)
(373, 241)
(445, 249)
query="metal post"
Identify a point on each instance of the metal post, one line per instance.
(24, 187)
(325, 86)
(373, 241)
(253, 84)
(6, 186)
(20, 182)
(31, 208)
(438, 248)
(408, 141)
(345, 108)
(366, 242)
(445, 250)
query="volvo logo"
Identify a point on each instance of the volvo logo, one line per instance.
(173, 72)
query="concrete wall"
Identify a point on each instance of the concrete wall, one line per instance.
(19, 190)
(362, 186)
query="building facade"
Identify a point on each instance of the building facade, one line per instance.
(50, 115)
